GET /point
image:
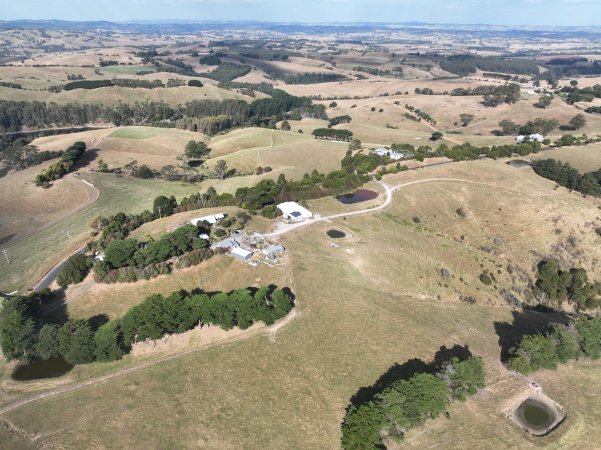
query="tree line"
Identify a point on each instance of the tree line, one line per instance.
(332, 134)
(409, 402)
(26, 334)
(569, 177)
(15, 116)
(467, 64)
(559, 344)
(60, 168)
(305, 78)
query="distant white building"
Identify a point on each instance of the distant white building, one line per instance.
(295, 212)
(533, 138)
(392, 154)
(241, 254)
(212, 219)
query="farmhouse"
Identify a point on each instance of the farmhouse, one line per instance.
(294, 212)
(392, 154)
(532, 138)
(212, 219)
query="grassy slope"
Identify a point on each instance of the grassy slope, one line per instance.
(358, 317)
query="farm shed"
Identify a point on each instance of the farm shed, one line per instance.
(295, 212)
(241, 254)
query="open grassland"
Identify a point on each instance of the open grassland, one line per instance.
(27, 208)
(376, 300)
(33, 255)
(290, 153)
(584, 158)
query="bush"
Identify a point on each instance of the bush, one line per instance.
(194, 83)
(485, 279)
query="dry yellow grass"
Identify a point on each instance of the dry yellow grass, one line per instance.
(27, 208)
(376, 300)
(584, 158)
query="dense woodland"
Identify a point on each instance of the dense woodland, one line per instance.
(27, 334)
(61, 167)
(467, 64)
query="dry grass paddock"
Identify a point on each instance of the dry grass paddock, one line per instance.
(27, 208)
(375, 301)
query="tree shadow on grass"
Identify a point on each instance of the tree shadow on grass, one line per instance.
(526, 321)
(406, 370)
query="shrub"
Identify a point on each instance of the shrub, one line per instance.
(485, 279)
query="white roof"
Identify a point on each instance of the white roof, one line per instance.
(241, 252)
(212, 219)
(294, 209)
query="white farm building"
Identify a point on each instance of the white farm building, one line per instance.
(295, 212)
(212, 219)
(241, 254)
(533, 138)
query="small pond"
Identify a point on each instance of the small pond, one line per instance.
(519, 163)
(538, 417)
(335, 234)
(50, 368)
(360, 195)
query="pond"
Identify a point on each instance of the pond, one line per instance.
(335, 234)
(358, 196)
(49, 368)
(538, 416)
(519, 163)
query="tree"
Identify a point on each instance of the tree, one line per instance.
(436, 136)
(333, 105)
(362, 426)
(17, 329)
(143, 172)
(578, 121)
(194, 83)
(76, 342)
(163, 206)
(574, 83)
(75, 269)
(196, 150)
(109, 341)
(120, 253)
(285, 126)
(102, 166)
(221, 169)
(543, 102)
(463, 377)
(355, 145)
(466, 119)
(47, 346)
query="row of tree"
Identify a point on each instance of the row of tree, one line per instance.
(409, 403)
(332, 134)
(569, 177)
(60, 168)
(17, 115)
(559, 344)
(25, 333)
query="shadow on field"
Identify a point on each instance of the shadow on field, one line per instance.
(526, 321)
(406, 370)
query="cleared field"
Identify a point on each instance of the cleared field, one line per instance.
(358, 317)
(155, 147)
(33, 255)
(285, 152)
(27, 208)
(584, 158)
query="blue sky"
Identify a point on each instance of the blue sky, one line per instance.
(509, 12)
